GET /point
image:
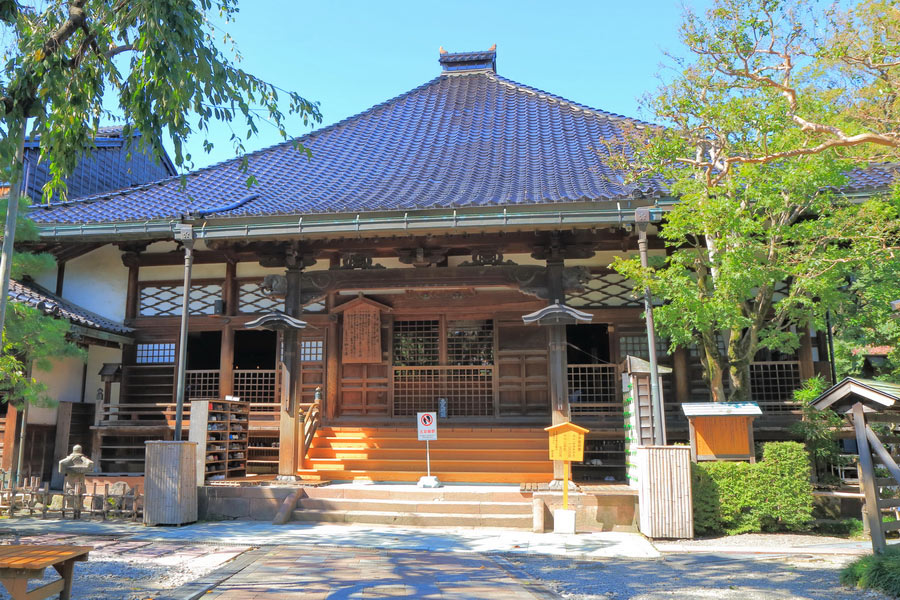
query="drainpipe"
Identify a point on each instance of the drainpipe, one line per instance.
(186, 236)
(642, 219)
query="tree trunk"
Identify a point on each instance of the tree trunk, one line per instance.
(715, 373)
(739, 374)
(16, 131)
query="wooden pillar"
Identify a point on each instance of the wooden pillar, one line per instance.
(61, 443)
(289, 459)
(226, 355)
(9, 439)
(804, 354)
(559, 377)
(131, 300)
(332, 361)
(682, 375)
(867, 480)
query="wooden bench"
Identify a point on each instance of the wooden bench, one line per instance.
(19, 564)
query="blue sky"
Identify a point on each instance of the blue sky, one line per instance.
(350, 55)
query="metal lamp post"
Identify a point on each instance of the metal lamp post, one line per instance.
(186, 236)
(642, 220)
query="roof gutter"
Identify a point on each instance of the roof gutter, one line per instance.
(393, 224)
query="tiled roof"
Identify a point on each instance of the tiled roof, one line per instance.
(873, 177)
(466, 139)
(34, 295)
(108, 167)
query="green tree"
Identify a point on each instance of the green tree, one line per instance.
(757, 136)
(32, 339)
(156, 61)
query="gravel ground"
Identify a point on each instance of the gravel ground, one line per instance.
(694, 577)
(124, 570)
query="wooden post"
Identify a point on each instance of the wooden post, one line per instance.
(61, 444)
(132, 300)
(682, 375)
(332, 361)
(805, 356)
(9, 439)
(289, 423)
(226, 354)
(559, 381)
(867, 480)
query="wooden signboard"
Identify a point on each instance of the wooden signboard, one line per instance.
(566, 444)
(361, 331)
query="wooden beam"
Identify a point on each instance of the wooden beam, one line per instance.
(805, 356)
(9, 438)
(131, 298)
(867, 480)
(332, 362)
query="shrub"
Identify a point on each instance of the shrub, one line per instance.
(818, 429)
(879, 572)
(774, 494)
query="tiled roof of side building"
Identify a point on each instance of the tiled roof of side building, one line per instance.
(29, 292)
(465, 139)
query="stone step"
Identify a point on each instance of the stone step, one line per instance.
(447, 476)
(413, 519)
(415, 506)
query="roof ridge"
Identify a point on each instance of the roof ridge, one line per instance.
(300, 139)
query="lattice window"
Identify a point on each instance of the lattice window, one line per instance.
(470, 342)
(312, 350)
(592, 389)
(164, 300)
(636, 345)
(605, 290)
(251, 299)
(772, 385)
(259, 387)
(416, 343)
(155, 354)
(202, 384)
(468, 390)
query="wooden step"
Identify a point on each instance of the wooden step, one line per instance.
(477, 494)
(443, 432)
(418, 465)
(504, 454)
(446, 476)
(344, 443)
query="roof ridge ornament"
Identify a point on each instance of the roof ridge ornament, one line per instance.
(465, 62)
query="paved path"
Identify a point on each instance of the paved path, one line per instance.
(258, 533)
(325, 574)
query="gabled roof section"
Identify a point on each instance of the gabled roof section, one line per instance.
(875, 396)
(464, 139)
(32, 294)
(105, 168)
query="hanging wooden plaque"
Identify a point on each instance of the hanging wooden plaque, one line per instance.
(361, 331)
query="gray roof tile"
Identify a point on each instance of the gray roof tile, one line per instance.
(29, 292)
(461, 140)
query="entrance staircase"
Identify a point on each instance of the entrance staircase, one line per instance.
(460, 455)
(452, 506)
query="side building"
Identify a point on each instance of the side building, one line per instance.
(76, 290)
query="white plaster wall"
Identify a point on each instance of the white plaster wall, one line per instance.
(97, 355)
(176, 272)
(63, 383)
(46, 278)
(98, 281)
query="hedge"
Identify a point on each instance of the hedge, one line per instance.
(774, 494)
(875, 572)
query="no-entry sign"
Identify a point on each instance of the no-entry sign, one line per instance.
(426, 424)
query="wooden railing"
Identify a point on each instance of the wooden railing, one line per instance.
(469, 390)
(311, 414)
(772, 385)
(594, 389)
